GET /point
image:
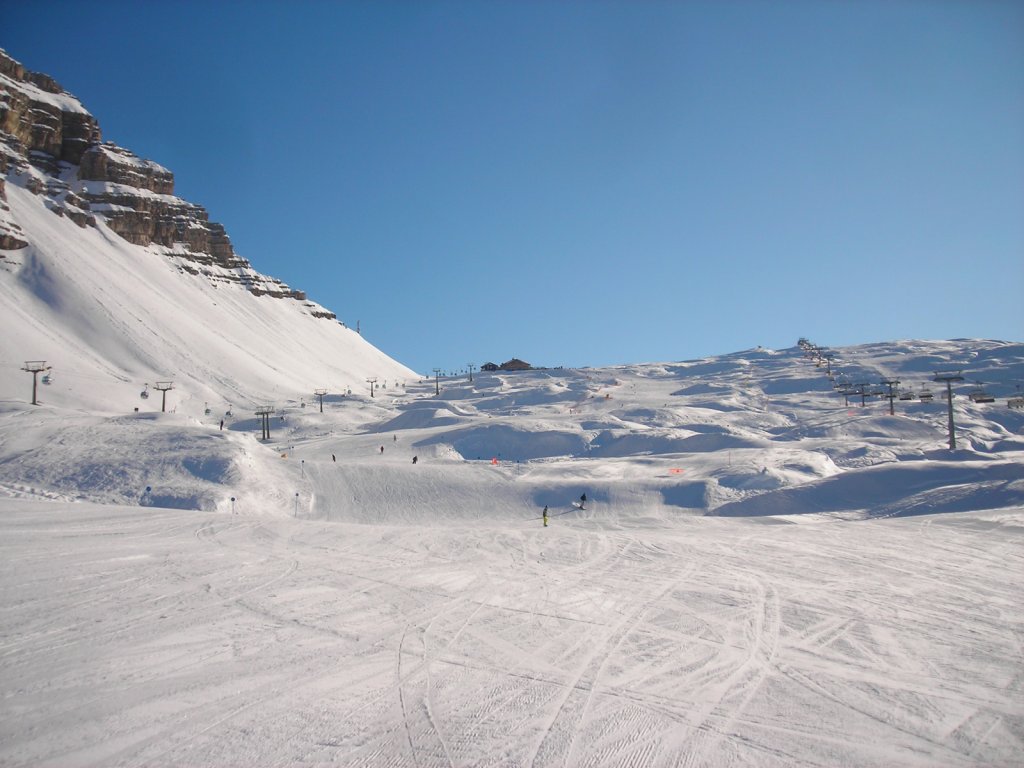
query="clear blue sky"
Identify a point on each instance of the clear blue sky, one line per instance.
(584, 183)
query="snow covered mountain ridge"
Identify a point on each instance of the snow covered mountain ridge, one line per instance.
(52, 146)
(112, 282)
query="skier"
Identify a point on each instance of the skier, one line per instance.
(583, 501)
(333, 457)
(222, 424)
(545, 515)
(382, 450)
(415, 459)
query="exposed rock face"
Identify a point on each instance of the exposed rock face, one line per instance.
(109, 162)
(49, 123)
(52, 146)
(11, 236)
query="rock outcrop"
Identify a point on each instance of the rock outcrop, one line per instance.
(46, 122)
(11, 236)
(52, 146)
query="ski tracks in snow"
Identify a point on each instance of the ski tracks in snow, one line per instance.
(733, 685)
(227, 640)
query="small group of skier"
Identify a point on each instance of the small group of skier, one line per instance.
(582, 505)
(414, 458)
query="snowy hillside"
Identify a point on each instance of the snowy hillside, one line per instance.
(752, 433)
(111, 317)
(115, 283)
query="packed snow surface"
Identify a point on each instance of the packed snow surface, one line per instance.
(760, 574)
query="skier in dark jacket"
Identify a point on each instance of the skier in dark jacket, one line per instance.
(583, 501)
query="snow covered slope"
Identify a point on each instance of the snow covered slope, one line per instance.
(115, 283)
(111, 320)
(111, 317)
(748, 434)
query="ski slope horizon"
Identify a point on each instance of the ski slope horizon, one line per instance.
(750, 433)
(112, 321)
(701, 178)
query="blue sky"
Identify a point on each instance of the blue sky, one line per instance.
(584, 183)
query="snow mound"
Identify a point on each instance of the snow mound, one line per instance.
(510, 442)
(890, 490)
(150, 460)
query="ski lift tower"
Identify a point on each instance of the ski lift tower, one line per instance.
(371, 381)
(829, 357)
(437, 381)
(320, 394)
(163, 387)
(35, 367)
(264, 412)
(846, 392)
(949, 377)
(862, 390)
(471, 367)
(892, 385)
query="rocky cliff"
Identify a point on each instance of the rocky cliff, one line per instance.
(51, 145)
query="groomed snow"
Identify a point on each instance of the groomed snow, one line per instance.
(167, 637)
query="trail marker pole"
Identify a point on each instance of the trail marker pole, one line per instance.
(296, 505)
(35, 367)
(163, 387)
(949, 378)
